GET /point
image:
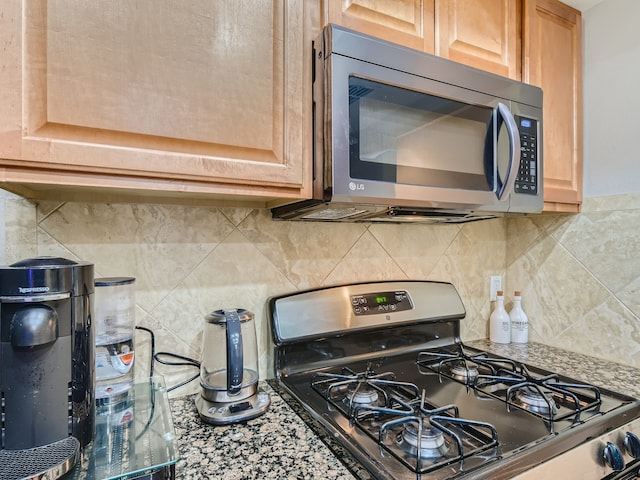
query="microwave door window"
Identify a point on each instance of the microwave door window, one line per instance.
(403, 136)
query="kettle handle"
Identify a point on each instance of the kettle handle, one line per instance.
(235, 362)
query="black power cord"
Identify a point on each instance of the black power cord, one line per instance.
(157, 357)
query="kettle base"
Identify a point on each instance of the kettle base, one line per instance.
(224, 413)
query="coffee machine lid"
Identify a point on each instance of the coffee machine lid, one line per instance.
(45, 275)
(43, 262)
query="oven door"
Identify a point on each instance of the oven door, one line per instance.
(398, 138)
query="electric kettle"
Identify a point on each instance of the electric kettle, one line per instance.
(229, 369)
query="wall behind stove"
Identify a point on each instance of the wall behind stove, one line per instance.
(189, 261)
(580, 277)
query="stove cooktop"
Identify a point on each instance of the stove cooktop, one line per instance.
(476, 415)
(522, 437)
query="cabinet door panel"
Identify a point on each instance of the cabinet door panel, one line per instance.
(553, 61)
(202, 90)
(108, 67)
(480, 33)
(407, 22)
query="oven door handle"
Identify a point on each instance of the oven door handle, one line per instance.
(506, 186)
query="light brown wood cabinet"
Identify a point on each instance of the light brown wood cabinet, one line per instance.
(201, 98)
(552, 44)
(536, 41)
(406, 22)
(480, 33)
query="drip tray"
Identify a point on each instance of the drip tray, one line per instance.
(48, 461)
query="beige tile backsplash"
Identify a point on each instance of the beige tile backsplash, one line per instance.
(579, 274)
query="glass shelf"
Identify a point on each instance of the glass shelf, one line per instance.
(133, 439)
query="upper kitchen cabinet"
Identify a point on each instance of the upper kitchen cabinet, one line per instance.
(406, 22)
(482, 33)
(194, 98)
(552, 44)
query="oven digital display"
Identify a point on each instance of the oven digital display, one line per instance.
(381, 302)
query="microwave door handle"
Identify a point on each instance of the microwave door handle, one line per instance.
(514, 151)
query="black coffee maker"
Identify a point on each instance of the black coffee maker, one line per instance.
(46, 365)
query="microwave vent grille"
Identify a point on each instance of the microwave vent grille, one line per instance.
(357, 91)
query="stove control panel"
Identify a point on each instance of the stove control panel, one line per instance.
(612, 456)
(381, 302)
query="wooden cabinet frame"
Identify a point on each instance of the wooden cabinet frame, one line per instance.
(54, 135)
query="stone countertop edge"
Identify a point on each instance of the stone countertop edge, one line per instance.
(280, 445)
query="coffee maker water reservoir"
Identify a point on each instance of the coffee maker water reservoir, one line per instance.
(46, 365)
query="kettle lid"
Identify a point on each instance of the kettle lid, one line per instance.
(219, 316)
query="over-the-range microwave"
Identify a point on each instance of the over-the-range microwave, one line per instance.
(401, 135)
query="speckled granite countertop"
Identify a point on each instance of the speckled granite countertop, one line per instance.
(601, 373)
(276, 445)
(279, 445)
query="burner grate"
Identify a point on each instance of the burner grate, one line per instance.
(546, 397)
(348, 391)
(461, 366)
(399, 418)
(426, 438)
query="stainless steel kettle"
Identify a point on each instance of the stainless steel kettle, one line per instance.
(229, 368)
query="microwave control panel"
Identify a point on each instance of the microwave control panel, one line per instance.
(527, 179)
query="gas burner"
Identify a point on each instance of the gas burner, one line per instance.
(431, 441)
(426, 438)
(464, 373)
(362, 394)
(358, 394)
(546, 397)
(536, 401)
(462, 367)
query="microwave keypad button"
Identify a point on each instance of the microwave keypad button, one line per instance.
(527, 181)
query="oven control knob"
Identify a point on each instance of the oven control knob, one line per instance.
(613, 457)
(632, 444)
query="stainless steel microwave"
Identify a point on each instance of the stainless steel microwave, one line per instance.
(401, 135)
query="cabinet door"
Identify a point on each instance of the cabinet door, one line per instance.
(481, 33)
(202, 94)
(552, 44)
(406, 22)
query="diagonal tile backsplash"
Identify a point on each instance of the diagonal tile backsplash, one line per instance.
(580, 277)
(188, 261)
(578, 274)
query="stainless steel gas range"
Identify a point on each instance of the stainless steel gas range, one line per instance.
(381, 367)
